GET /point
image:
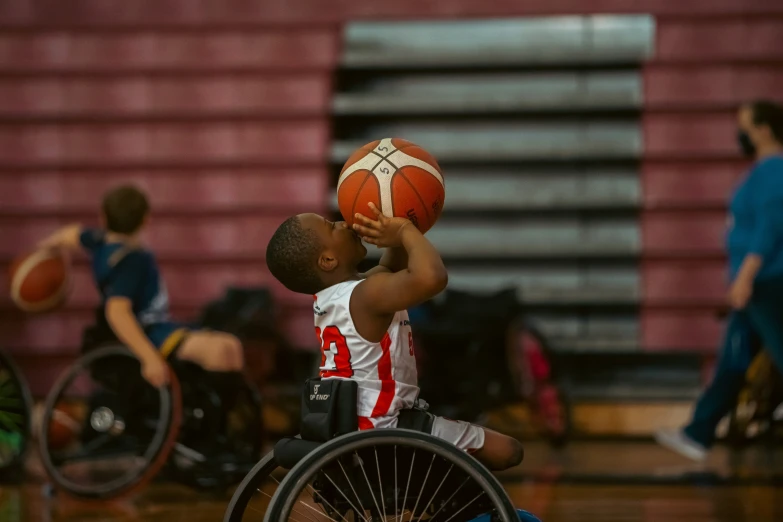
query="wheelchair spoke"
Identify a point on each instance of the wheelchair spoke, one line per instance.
(449, 499)
(405, 498)
(369, 486)
(423, 484)
(313, 493)
(395, 483)
(356, 510)
(12, 421)
(311, 507)
(295, 511)
(466, 505)
(436, 491)
(327, 503)
(85, 451)
(380, 482)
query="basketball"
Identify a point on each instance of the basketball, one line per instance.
(40, 282)
(64, 428)
(399, 177)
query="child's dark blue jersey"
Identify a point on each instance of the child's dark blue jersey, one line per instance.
(133, 273)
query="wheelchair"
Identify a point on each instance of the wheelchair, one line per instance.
(15, 413)
(336, 472)
(485, 344)
(106, 432)
(756, 415)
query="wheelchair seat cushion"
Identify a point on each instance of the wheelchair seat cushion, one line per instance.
(289, 451)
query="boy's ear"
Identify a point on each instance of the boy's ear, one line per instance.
(327, 261)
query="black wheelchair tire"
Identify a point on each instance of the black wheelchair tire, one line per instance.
(282, 501)
(12, 468)
(247, 488)
(171, 405)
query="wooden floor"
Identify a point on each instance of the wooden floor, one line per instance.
(586, 482)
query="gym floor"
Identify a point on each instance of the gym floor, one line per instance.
(585, 482)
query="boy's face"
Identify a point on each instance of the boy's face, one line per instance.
(337, 240)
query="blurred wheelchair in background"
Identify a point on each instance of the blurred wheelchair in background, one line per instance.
(106, 432)
(340, 473)
(478, 351)
(15, 413)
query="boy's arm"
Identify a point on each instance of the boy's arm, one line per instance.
(68, 237)
(392, 260)
(424, 277)
(119, 314)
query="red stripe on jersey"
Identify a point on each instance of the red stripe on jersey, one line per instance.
(388, 385)
(365, 423)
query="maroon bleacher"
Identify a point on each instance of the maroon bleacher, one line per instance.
(218, 102)
(227, 128)
(702, 69)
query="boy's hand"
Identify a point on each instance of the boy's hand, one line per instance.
(384, 232)
(155, 371)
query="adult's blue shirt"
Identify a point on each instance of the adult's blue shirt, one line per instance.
(756, 219)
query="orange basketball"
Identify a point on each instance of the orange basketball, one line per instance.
(64, 428)
(40, 281)
(401, 178)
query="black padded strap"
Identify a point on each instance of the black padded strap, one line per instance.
(114, 260)
(415, 419)
(328, 408)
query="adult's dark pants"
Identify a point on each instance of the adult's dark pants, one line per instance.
(759, 324)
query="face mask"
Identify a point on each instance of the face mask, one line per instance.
(746, 146)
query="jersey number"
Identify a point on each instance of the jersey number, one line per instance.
(335, 355)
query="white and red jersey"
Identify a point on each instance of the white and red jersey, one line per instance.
(385, 371)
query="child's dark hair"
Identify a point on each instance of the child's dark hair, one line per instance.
(125, 208)
(292, 257)
(768, 113)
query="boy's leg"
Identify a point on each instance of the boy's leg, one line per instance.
(499, 451)
(494, 450)
(213, 351)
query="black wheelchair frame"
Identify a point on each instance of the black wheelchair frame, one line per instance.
(126, 417)
(372, 474)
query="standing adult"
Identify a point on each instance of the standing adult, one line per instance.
(754, 245)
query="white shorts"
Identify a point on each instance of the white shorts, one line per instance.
(464, 435)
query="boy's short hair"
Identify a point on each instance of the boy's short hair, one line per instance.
(292, 257)
(125, 208)
(769, 113)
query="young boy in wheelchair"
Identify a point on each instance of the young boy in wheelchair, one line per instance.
(134, 300)
(361, 319)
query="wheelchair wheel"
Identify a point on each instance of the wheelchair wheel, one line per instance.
(105, 431)
(379, 474)
(15, 409)
(751, 419)
(219, 443)
(258, 484)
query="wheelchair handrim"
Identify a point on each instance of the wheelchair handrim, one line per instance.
(156, 453)
(293, 484)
